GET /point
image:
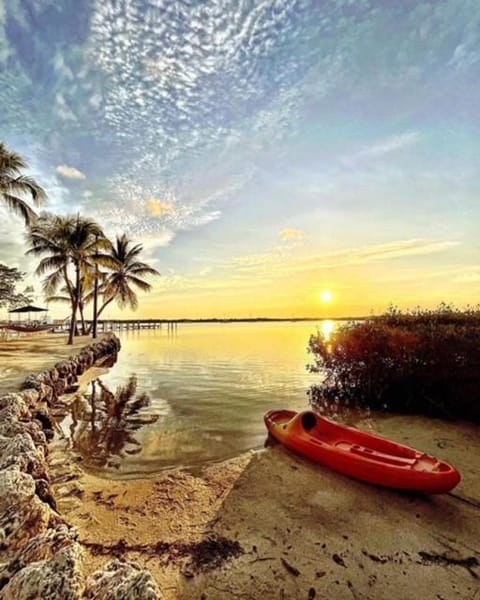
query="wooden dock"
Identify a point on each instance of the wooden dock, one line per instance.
(133, 324)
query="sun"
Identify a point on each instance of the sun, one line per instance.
(326, 296)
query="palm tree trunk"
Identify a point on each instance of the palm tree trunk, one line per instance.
(74, 304)
(95, 295)
(82, 318)
(104, 305)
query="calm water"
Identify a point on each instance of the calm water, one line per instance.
(201, 393)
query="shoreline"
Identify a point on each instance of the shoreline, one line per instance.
(299, 527)
(268, 524)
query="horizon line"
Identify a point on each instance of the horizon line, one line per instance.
(227, 319)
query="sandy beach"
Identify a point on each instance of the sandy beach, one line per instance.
(23, 354)
(270, 525)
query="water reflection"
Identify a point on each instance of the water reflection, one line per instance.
(328, 405)
(208, 386)
(104, 423)
(327, 328)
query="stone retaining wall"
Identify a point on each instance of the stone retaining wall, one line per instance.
(39, 551)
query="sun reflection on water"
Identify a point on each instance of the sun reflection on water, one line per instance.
(327, 328)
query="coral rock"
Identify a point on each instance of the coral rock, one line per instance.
(122, 581)
(64, 367)
(31, 396)
(19, 451)
(15, 488)
(40, 548)
(13, 406)
(31, 381)
(59, 578)
(10, 428)
(54, 375)
(19, 523)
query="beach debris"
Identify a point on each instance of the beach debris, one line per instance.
(469, 562)
(290, 568)
(209, 553)
(339, 560)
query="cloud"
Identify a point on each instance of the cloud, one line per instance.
(70, 172)
(385, 147)
(280, 264)
(159, 209)
(467, 274)
(290, 234)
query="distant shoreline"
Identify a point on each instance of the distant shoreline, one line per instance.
(240, 320)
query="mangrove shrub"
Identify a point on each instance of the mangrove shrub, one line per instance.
(422, 361)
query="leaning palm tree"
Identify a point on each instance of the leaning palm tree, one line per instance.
(66, 244)
(14, 186)
(126, 274)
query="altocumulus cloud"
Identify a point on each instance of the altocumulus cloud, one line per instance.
(158, 208)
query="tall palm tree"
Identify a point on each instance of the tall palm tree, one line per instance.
(66, 243)
(14, 186)
(126, 274)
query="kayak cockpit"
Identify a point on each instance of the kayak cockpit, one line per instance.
(309, 420)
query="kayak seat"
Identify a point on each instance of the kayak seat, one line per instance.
(375, 455)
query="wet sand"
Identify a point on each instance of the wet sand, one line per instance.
(271, 525)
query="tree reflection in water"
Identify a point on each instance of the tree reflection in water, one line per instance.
(104, 423)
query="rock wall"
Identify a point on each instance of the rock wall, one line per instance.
(40, 556)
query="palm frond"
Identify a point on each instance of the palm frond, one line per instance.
(52, 282)
(11, 163)
(23, 185)
(140, 283)
(140, 268)
(49, 263)
(19, 206)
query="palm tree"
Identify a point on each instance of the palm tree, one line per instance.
(126, 273)
(66, 242)
(14, 185)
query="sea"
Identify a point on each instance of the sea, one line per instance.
(191, 394)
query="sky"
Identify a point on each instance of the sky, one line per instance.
(262, 152)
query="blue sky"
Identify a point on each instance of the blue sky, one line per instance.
(261, 151)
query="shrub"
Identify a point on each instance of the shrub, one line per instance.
(422, 361)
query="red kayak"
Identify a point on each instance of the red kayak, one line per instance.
(360, 454)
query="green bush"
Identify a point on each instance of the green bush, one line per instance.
(422, 361)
